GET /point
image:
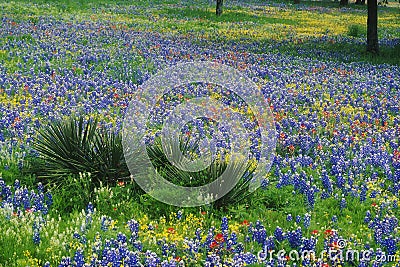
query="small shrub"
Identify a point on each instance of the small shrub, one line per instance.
(73, 193)
(77, 146)
(177, 176)
(116, 200)
(192, 179)
(355, 30)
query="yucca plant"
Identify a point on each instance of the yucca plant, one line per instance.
(110, 156)
(76, 146)
(180, 177)
(191, 179)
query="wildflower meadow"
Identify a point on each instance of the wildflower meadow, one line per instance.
(321, 118)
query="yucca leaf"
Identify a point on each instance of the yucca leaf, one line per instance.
(75, 145)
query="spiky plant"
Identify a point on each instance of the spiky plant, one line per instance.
(76, 146)
(191, 179)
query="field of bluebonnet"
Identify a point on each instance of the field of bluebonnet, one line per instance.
(68, 70)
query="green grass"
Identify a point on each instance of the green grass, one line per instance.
(232, 15)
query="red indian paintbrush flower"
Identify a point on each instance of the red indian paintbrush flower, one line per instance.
(219, 238)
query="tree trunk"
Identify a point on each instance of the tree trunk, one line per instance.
(372, 27)
(344, 2)
(219, 7)
(297, 1)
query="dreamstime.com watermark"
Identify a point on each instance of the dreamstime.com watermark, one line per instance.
(150, 99)
(337, 254)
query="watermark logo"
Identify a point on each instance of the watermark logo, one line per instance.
(339, 253)
(255, 137)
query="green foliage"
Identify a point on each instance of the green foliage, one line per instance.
(355, 30)
(192, 179)
(12, 168)
(73, 194)
(177, 176)
(74, 146)
(117, 201)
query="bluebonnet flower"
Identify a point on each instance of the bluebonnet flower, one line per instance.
(79, 258)
(310, 197)
(307, 220)
(65, 262)
(279, 234)
(363, 194)
(76, 235)
(49, 199)
(390, 244)
(367, 217)
(164, 249)
(378, 235)
(264, 183)
(121, 238)
(179, 214)
(198, 234)
(232, 241)
(326, 182)
(295, 238)
(309, 244)
(373, 194)
(36, 237)
(239, 248)
(259, 234)
(151, 259)
(324, 195)
(17, 185)
(134, 228)
(90, 208)
(132, 259)
(224, 224)
(343, 203)
(105, 222)
(40, 188)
